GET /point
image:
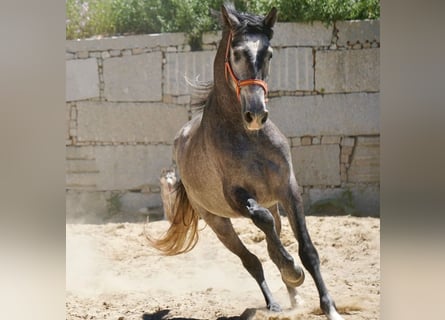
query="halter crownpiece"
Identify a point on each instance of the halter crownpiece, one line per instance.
(240, 83)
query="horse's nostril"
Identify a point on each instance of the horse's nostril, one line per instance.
(248, 117)
(264, 119)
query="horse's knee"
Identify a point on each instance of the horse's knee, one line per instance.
(262, 217)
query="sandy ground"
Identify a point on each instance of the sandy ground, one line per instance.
(113, 273)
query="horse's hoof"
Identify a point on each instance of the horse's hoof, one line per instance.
(293, 277)
(274, 307)
(334, 315)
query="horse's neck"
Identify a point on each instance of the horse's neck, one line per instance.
(222, 105)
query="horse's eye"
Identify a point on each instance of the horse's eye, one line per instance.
(237, 55)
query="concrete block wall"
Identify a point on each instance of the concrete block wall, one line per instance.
(126, 97)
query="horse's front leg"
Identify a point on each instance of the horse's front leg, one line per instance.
(291, 274)
(293, 205)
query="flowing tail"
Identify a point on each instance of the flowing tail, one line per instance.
(182, 234)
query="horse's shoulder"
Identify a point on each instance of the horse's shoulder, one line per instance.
(276, 137)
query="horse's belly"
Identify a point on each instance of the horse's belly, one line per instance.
(212, 200)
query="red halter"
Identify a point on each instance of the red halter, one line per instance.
(240, 83)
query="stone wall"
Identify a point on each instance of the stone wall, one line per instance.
(126, 98)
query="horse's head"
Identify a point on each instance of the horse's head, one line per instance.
(247, 61)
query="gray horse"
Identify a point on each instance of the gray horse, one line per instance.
(234, 162)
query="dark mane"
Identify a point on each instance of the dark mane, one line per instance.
(201, 91)
(249, 23)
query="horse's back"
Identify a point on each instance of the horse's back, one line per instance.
(185, 136)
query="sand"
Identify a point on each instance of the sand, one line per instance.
(113, 273)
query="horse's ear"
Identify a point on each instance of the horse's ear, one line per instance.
(229, 18)
(271, 18)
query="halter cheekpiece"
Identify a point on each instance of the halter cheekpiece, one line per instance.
(240, 83)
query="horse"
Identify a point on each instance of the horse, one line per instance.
(234, 162)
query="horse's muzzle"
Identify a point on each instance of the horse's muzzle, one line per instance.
(255, 121)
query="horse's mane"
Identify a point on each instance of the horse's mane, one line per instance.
(200, 94)
(248, 24)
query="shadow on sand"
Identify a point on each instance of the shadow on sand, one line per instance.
(163, 315)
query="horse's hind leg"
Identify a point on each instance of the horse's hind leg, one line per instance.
(223, 228)
(276, 216)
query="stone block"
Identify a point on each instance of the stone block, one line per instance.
(295, 141)
(82, 79)
(317, 165)
(115, 53)
(344, 158)
(137, 51)
(365, 163)
(347, 70)
(126, 52)
(348, 141)
(133, 78)
(81, 166)
(330, 201)
(185, 48)
(73, 128)
(343, 172)
(292, 69)
(129, 122)
(301, 34)
(211, 37)
(81, 180)
(330, 140)
(350, 32)
(132, 202)
(73, 114)
(127, 42)
(333, 114)
(67, 120)
(80, 153)
(347, 150)
(197, 65)
(317, 194)
(366, 199)
(125, 167)
(306, 141)
(358, 200)
(86, 206)
(82, 55)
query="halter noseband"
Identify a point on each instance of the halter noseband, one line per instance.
(240, 83)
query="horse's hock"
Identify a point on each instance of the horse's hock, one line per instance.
(126, 97)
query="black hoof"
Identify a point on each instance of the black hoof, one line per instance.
(274, 307)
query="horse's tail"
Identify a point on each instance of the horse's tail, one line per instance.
(182, 234)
